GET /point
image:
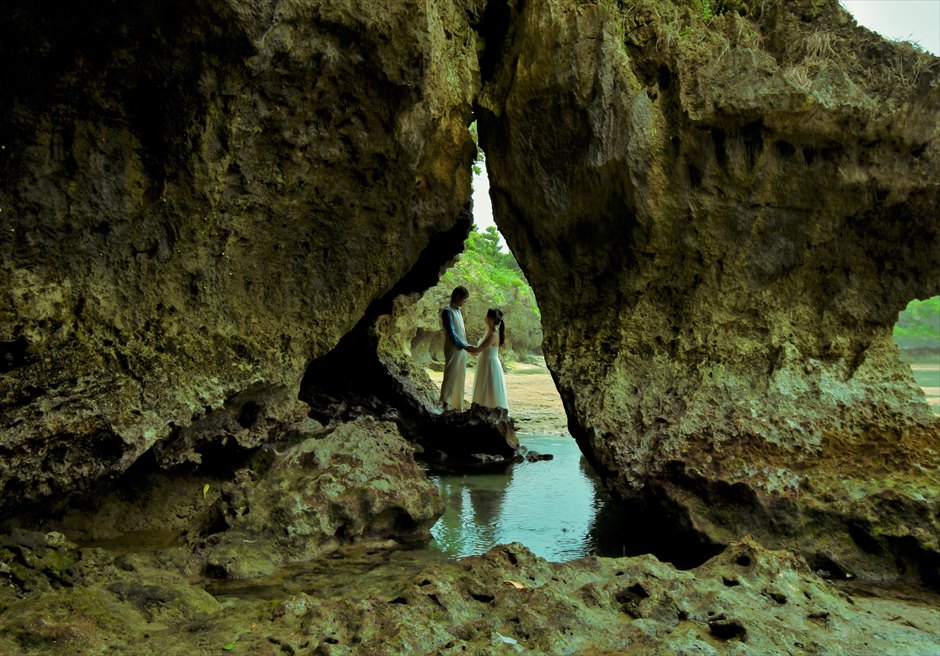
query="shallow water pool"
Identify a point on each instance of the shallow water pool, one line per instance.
(557, 508)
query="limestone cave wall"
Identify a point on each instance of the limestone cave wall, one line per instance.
(721, 216)
(197, 199)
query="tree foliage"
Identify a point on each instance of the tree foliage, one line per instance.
(494, 273)
(494, 279)
(918, 325)
(480, 158)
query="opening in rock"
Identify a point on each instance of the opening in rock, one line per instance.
(917, 334)
(489, 271)
(559, 509)
(553, 507)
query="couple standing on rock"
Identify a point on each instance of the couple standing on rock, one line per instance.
(489, 389)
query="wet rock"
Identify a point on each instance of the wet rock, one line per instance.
(236, 557)
(30, 565)
(725, 260)
(315, 488)
(489, 431)
(486, 458)
(105, 607)
(21, 537)
(343, 483)
(671, 611)
(164, 604)
(535, 456)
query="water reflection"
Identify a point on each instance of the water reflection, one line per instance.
(549, 506)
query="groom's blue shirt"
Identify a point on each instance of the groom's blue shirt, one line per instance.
(447, 320)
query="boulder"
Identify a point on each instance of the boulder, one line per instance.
(344, 483)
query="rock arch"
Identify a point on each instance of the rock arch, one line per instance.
(720, 215)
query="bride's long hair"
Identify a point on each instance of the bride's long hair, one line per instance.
(497, 316)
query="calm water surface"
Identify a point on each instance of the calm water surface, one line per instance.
(557, 508)
(553, 507)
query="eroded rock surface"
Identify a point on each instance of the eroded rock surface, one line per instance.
(314, 489)
(746, 601)
(721, 217)
(198, 198)
(350, 482)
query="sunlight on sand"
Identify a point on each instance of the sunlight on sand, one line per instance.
(927, 374)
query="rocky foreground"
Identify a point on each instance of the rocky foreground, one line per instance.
(211, 209)
(292, 552)
(748, 600)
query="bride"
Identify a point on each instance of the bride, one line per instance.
(488, 387)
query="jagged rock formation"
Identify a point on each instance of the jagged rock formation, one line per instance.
(311, 490)
(198, 198)
(747, 601)
(721, 217)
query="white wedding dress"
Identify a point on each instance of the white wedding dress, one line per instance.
(489, 388)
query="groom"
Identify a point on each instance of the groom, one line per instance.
(455, 351)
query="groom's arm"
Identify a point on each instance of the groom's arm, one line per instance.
(447, 320)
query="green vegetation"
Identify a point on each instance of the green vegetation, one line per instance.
(495, 279)
(484, 265)
(711, 8)
(918, 326)
(707, 13)
(478, 162)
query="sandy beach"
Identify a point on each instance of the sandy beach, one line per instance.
(537, 408)
(927, 375)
